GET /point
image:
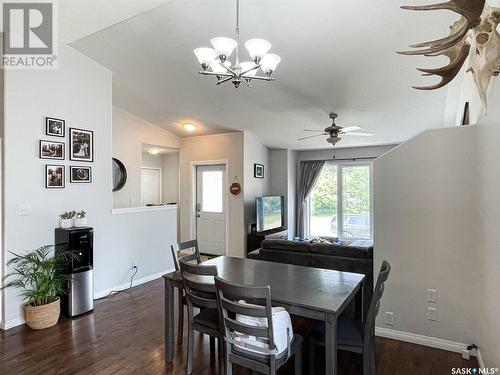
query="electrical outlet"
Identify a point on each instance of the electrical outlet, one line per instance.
(132, 201)
(432, 313)
(432, 295)
(389, 318)
(24, 209)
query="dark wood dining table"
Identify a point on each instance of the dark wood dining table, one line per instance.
(305, 291)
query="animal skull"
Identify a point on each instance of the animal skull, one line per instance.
(484, 59)
(475, 36)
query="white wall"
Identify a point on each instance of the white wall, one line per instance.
(426, 222)
(254, 153)
(488, 307)
(170, 165)
(80, 92)
(129, 134)
(206, 148)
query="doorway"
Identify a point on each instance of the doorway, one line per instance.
(210, 208)
(151, 186)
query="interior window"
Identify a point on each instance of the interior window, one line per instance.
(340, 203)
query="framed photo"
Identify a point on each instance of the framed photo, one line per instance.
(81, 145)
(55, 127)
(51, 150)
(258, 171)
(54, 176)
(80, 175)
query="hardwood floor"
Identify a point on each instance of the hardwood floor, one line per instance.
(124, 335)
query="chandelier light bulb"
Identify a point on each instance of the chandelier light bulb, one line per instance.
(218, 67)
(205, 56)
(257, 48)
(223, 47)
(269, 63)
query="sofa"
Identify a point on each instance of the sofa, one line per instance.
(345, 257)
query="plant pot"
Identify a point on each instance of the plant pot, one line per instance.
(66, 223)
(44, 316)
(80, 222)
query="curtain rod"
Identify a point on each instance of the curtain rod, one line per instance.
(344, 159)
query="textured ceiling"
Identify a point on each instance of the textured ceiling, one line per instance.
(337, 56)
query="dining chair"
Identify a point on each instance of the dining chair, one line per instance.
(266, 360)
(194, 255)
(200, 293)
(354, 335)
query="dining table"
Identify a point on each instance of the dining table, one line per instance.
(314, 293)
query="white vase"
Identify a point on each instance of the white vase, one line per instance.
(66, 223)
(80, 222)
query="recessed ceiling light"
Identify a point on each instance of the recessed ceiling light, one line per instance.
(153, 151)
(189, 127)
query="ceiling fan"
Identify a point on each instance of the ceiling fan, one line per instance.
(334, 131)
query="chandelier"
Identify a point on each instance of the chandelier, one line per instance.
(215, 61)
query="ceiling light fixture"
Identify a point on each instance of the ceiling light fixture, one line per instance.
(153, 151)
(214, 61)
(189, 127)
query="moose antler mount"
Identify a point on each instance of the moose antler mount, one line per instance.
(474, 36)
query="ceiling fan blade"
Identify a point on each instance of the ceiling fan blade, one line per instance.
(360, 134)
(311, 136)
(350, 129)
(314, 130)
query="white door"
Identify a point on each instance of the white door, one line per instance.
(150, 186)
(210, 209)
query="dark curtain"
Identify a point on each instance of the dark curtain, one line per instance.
(308, 175)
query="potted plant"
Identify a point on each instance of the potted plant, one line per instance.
(80, 219)
(36, 275)
(67, 219)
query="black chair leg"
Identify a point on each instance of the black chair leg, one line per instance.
(189, 364)
(298, 362)
(212, 346)
(180, 328)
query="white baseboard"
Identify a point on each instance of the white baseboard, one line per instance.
(480, 359)
(414, 338)
(104, 293)
(18, 321)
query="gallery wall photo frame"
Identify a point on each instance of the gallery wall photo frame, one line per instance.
(55, 176)
(51, 150)
(55, 127)
(81, 145)
(80, 174)
(258, 170)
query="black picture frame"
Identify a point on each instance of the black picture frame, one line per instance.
(58, 182)
(43, 153)
(466, 115)
(75, 145)
(258, 170)
(76, 174)
(51, 125)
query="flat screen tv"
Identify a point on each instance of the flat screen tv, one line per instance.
(270, 213)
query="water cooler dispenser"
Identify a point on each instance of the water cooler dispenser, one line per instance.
(79, 296)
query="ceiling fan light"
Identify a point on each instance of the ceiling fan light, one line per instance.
(257, 48)
(269, 63)
(205, 56)
(246, 65)
(223, 46)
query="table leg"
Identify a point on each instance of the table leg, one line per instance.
(359, 306)
(169, 322)
(331, 344)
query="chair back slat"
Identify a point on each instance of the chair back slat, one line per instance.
(238, 308)
(385, 269)
(199, 284)
(230, 297)
(175, 249)
(234, 325)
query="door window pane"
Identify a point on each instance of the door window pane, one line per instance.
(212, 191)
(323, 204)
(356, 202)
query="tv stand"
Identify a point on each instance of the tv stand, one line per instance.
(254, 239)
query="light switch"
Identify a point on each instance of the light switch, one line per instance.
(24, 209)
